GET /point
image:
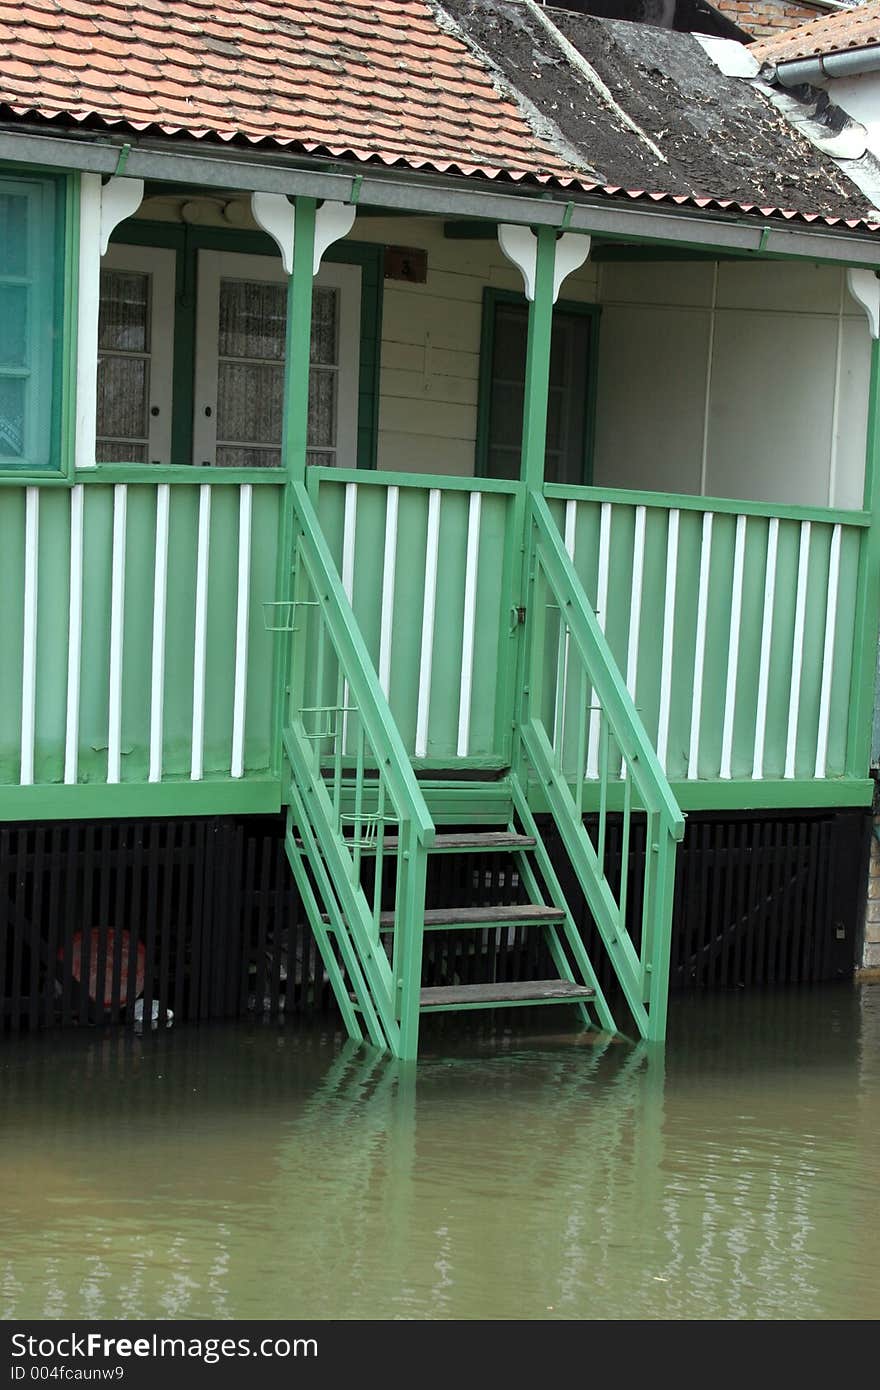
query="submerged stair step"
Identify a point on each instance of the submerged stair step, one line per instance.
(469, 843)
(503, 992)
(514, 915)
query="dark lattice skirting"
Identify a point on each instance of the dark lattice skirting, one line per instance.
(201, 916)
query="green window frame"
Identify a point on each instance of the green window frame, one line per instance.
(187, 240)
(590, 313)
(37, 308)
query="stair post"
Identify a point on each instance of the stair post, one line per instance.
(534, 255)
(292, 226)
(865, 289)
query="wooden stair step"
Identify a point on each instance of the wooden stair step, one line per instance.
(469, 843)
(503, 992)
(514, 915)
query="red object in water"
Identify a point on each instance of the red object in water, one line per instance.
(76, 964)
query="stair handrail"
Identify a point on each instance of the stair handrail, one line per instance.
(373, 707)
(587, 637)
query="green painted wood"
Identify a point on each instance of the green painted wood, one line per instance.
(179, 473)
(618, 616)
(584, 861)
(91, 801)
(565, 648)
(867, 611)
(389, 478)
(378, 720)
(299, 333)
(554, 889)
(304, 847)
(538, 362)
(692, 502)
(137, 650)
(604, 672)
(314, 817)
(486, 745)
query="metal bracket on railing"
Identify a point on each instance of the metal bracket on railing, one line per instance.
(370, 827)
(332, 728)
(287, 623)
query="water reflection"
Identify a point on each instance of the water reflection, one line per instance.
(236, 1172)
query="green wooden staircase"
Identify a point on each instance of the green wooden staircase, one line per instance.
(360, 828)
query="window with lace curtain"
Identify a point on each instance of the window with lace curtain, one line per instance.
(239, 338)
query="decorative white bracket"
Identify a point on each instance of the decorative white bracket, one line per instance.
(277, 215)
(864, 286)
(520, 245)
(120, 198)
(332, 222)
(101, 208)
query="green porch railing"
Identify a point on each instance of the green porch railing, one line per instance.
(732, 622)
(352, 795)
(428, 565)
(572, 683)
(134, 646)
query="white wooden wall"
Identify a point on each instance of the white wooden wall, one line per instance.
(739, 380)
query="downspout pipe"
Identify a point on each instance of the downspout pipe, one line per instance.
(813, 71)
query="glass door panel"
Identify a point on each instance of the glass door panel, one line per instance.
(240, 346)
(135, 356)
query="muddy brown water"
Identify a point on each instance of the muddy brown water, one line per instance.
(266, 1171)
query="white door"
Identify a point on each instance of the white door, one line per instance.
(135, 355)
(241, 328)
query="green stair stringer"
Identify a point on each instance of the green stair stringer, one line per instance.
(543, 759)
(324, 858)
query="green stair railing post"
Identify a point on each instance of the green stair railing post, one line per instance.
(294, 441)
(534, 445)
(537, 384)
(410, 922)
(299, 342)
(661, 946)
(859, 736)
(643, 975)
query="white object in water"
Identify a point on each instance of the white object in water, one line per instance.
(154, 1015)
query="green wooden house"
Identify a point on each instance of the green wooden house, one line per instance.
(451, 428)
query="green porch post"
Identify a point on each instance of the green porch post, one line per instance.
(294, 441)
(867, 622)
(299, 340)
(537, 384)
(511, 665)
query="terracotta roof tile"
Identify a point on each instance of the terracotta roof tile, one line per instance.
(858, 28)
(369, 77)
(362, 79)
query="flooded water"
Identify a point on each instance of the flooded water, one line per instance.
(270, 1172)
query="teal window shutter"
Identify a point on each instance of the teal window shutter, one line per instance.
(27, 323)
